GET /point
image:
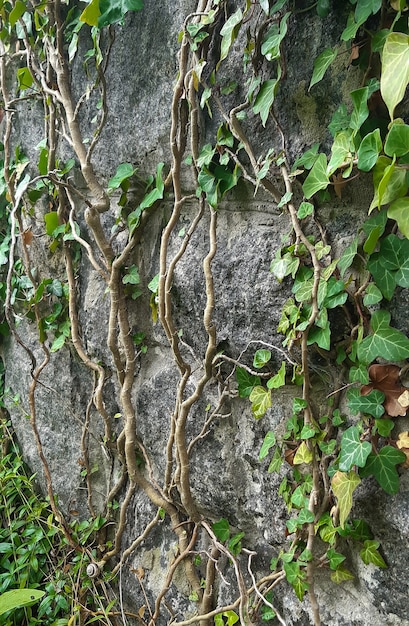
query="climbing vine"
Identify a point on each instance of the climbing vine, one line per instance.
(330, 448)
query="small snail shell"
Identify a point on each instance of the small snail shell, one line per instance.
(93, 570)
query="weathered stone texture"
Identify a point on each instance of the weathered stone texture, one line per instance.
(227, 478)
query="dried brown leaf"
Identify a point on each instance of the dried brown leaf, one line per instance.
(385, 378)
(27, 237)
(354, 53)
(339, 183)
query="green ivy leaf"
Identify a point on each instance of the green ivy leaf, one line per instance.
(303, 455)
(320, 336)
(359, 374)
(221, 529)
(395, 70)
(365, 8)
(385, 341)
(206, 155)
(340, 120)
(340, 150)
(24, 77)
(358, 530)
(276, 462)
(299, 499)
(360, 111)
(265, 98)
(382, 465)
(149, 200)
(132, 276)
(51, 222)
(321, 64)
(335, 558)
(305, 209)
(234, 544)
(58, 343)
(230, 616)
(296, 577)
(328, 532)
(317, 178)
(341, 575)
(284, 265)
(384, 278)
(372, 295)
(348, 256)
(389, 182)
(308, 431)
(336, 294)
(279, 379)
(261, 357)
(114, 11)
(323, 7)
(371, 404)
(370, 554)
(351, 28)
(384, 427)
(397, 139)
(267, 613)
(399, 211)
(226, 178)
(246, 382)
(305, 516)
(18, 11)
(343, 486)
(270, 47)
(353, 451)
(369, 150)
(373, 228)
(309, 157)
(299, 404)
(269, 442)
(229, 34)
(91, 13)
(123, 172)
(261, 401)
(327, 447)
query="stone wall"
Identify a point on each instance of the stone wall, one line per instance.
(227, 479)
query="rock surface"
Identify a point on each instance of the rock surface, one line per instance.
(227, 478)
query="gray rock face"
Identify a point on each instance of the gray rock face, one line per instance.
(227, 478)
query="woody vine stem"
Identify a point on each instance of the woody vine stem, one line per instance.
(320, 498)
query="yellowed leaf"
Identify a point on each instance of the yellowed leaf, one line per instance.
(404, 399)
(403, 445)
(403, 440)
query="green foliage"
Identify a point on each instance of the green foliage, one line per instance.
(382, 465)
(353, 451)
(395, 69)
(321, 64)
(385, 341)
(223, 533)
(352, 288)
(368, 272)
(105, 12)
(17, 598)
(35, 584)
(227, 618)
